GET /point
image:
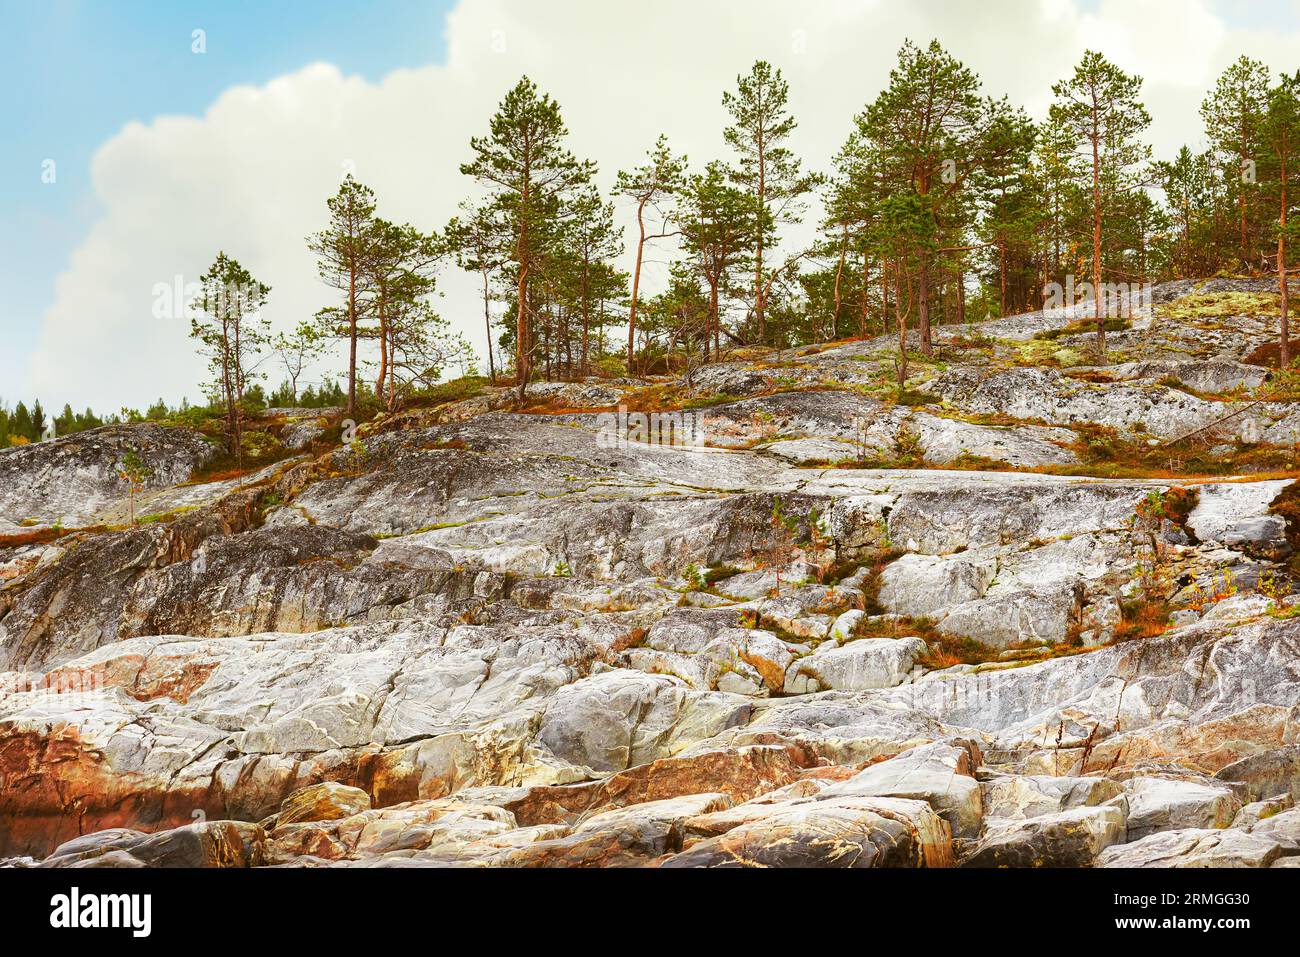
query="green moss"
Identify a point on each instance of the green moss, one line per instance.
(1220, 305)
(1082, 327)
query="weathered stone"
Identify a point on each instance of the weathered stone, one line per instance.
(1070, 838)
(206, 844)
(653, 827)
(616, 720)
(72, 479)
(1256, 811)
(327, 801)
(484, 637)
(740, 773)
(857, 666)
(1194, 847)
(1284, 828)
(1156, 804)
(1276, 771)
(818, 832)
(939, 774)
(1017, 796)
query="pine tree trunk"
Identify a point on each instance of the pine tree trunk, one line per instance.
(923, 304)
(759, 305)
(352, 339)
(522, 343)
(1096, 241)
(1002, 279)
(866, 296)
(901, 321)
(1284, 346)
(636, 286)
(487, 323)
(961, 296)
(383, 346)
(839, 274)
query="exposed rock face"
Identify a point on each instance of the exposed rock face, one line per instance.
(1071, 838)
(1155, 804)
(73, 479)
(1018, 796)
(857, 666)
(1194, 848)
(835, 832)
(480, 637)
(209, 844)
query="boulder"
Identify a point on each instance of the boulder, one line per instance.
(1157, 804)
(1276, 771)
(653, 827)
(740, 773)
(846, 831)
(1194, 847)
(860, 665)
(1256, 811)
(205, 844)
(1070, 838)
(1284, 828)
(327, 801)
(1019, 796)
(613, 721)
(939, 774)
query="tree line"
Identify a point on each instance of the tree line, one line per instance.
(944, 205)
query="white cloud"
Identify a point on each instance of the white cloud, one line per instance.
(252, 174)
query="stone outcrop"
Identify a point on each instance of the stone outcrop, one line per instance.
(843, 631)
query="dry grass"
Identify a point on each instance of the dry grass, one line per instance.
(1143, 619)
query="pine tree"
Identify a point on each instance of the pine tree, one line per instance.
(1281, 135)
(232, 333)
(342, 250)
(1056, 175)
(1010, 211)
(1233, 114)
(592, 241)
(297, 350)
(135, 472)
(38, 422)
(928, 126)
(761, 125)
(20, 425)
(398, 273)
(852, 210)
(651, 187)
(1192, 194)
(718, 224)
(523, 163)
(1099, 106)
(478, 239)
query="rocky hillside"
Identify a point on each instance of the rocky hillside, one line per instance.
(1026, 611)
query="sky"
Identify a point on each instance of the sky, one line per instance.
(142, 137)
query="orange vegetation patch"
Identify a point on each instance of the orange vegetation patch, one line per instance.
(42, 536)
(224, 475)
(1143, 619)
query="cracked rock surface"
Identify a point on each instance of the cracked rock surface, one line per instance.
(843, 632)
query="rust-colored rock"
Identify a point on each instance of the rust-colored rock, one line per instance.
(740, 773)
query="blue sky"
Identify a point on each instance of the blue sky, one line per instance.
(74, 72)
